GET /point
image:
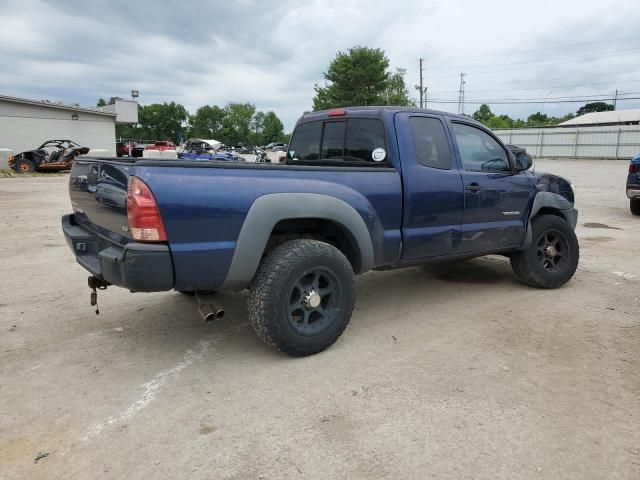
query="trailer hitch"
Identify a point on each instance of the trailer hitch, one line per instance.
(96, 284)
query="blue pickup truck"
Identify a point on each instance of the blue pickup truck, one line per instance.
(633, 185)
(362, 188)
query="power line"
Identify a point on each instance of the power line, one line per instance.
(527, 89)
(512, 52)
(525, 102)
(534, 64)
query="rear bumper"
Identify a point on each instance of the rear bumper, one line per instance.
(633, 191)
(140, 267)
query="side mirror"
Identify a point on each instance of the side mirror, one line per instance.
(523, 161)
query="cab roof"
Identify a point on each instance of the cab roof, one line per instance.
(374, 111)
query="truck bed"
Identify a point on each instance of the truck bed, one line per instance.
(204, 204)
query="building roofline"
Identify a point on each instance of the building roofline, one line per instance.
(59, 106)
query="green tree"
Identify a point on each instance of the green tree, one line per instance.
(160, 121)
(101, 103)
(236, 125)
(207, 122)
(257, 128)
(272, 129)
(356, 77)
(397, 92)
(595, 107)
(537, 119)
(483, 114)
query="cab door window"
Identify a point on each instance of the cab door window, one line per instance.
(479, 151)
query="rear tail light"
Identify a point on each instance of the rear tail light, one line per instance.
(634, 168)
(145, 222)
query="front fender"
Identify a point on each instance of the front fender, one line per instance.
(553, 201)
(267, 210)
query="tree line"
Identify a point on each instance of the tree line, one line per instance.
(359, 76)
(232, 124)
(538, 119)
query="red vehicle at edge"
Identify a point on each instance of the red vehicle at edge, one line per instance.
(161, 146)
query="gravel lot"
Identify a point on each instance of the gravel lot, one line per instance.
(449, 371)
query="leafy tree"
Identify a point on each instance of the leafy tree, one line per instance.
(356, 77)
(595, 107)
(236, 125)
(483, 114)
(538, 119)
(397, 92)
(112, 100)
(101, 103)
(159, 121)
(272, 129)
(257, 128)
(207, 122)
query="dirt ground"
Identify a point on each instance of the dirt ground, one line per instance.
(450, 371)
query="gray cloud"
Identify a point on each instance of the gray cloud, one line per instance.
(272, 53)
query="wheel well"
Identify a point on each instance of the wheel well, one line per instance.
(549, 211)
(321, 229)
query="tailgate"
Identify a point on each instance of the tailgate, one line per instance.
(98, 191)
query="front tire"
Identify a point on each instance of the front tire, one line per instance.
(552, 258)
(24, 166)
(302, 296)
(634, 206)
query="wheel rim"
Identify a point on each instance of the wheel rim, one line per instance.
(313, 301)
(24, 168)
(552, 251)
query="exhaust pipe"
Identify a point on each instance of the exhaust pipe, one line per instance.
(210, 311)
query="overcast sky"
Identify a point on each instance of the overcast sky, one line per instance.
(271, 53)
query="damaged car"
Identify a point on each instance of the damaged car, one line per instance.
(52, 155)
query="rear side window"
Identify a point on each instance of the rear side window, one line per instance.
(365, 141)
(430, 141)
(305, 144)
(333, 140)
(352, 142)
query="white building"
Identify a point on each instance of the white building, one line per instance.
(26, 124)
(595, 119)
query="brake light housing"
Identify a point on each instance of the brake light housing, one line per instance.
(634, 168)
(337, 112)
(145, 222)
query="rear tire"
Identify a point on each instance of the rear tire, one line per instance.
(552, 258)
(24, 166)
(302, 296)
(634, 206)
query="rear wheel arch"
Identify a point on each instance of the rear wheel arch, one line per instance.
(269, 217)
(323, 229)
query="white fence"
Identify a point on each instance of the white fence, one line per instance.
(610, 143)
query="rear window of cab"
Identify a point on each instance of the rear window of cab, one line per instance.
(345, 142)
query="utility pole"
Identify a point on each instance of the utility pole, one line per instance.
(461, 95)
(420, 87)
(615, 99)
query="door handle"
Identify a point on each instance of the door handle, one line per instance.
(472, 187)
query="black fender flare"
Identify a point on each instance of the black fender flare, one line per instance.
(555, 201)
(267, 210)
